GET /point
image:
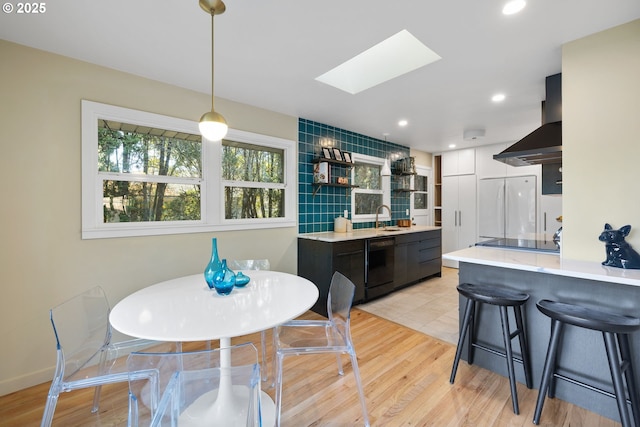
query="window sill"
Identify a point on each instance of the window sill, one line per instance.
(118, 231)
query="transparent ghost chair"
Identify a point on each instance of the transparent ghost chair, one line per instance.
(209, 387)
(86, 357)
(300, 337)
(255, 264)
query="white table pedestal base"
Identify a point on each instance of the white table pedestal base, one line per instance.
(207, 410)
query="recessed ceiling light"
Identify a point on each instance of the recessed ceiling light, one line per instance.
(498, 97)
(513, 6)
(452, 145)
(393, 57)
(403, 123)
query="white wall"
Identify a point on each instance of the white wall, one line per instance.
(601, 139)
(43, 260)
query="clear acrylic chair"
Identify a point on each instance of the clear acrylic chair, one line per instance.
(210, 387)
(255, 264)
(299, 337)
(86, 357)
(249, 264)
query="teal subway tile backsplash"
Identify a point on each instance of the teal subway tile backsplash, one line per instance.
(316, 213)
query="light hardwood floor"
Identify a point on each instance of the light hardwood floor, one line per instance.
(405, 375)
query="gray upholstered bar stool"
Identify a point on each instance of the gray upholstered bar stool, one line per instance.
(615, 330)
(503, 298)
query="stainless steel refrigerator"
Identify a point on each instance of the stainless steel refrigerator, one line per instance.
(507, 207)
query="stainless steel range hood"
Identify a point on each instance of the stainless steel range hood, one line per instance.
(543, 145)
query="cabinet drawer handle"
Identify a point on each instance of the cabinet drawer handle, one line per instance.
(349, 253)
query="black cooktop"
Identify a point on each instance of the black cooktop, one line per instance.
(523, 244)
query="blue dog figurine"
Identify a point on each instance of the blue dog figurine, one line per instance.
(619, 253)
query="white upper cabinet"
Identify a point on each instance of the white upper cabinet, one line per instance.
(459, 162)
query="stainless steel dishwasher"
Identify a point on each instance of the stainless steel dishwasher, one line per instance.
(379, 267)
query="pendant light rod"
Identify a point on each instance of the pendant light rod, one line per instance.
(212, 63)
(212, 125)
(212, 7)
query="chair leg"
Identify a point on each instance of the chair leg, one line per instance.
(279, 360)
(98, 389)
(132, 419)
(263, 364)
(506, 335)
(463, 332)
(625, 352)
(339, 361)
(356, 374)
(613, 356)
(327, 331)
(50, 408)
(549, 368)
(273, 353)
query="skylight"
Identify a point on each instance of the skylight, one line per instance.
(391, 58)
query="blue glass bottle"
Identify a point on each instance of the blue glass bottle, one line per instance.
(214, 264)
(224, 280)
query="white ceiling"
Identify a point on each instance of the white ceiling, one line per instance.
(268, 54)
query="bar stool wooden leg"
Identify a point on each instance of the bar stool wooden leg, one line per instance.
(506, 335)
(625, 352)
(471, 334)
(613, 356)
(524, 347)
(468, 312)
(549, 368)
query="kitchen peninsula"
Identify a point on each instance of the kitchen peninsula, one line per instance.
(550, 276)
(377, 260)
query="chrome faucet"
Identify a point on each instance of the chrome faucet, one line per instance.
(378, 211)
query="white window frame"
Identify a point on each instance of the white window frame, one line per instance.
(428, 212)
(212, 206)
(386, 191)
(289, 159)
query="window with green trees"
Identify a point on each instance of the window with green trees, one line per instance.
(368, 195)
(146, 174)
(372, 189)
(253, 180)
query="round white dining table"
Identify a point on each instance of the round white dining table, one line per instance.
(185, 309)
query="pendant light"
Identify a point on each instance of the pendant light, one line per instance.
(385, 170)
(212, 125)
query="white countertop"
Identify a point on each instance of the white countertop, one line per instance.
(544, 263)
(365, 233)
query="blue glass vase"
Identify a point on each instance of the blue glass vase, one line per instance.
(224, 280)
(214, 264)
(241, 280)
